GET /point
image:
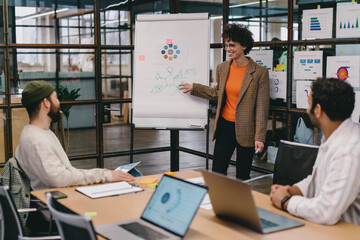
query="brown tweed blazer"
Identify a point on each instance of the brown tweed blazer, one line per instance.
(252, 109)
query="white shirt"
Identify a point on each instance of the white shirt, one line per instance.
(332, 191)
(43, 159)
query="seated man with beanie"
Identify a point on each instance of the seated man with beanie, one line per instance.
(40, 153)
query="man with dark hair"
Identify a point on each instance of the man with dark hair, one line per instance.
(40, 153)
(332, 192)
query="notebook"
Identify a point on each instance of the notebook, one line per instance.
(167, 215)
(232, 200)
(108, 189)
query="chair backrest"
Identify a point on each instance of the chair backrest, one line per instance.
(70, 226)
(19, 186)
(294, 162)
(11, 226)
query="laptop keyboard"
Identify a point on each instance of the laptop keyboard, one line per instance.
(266, 224)
(143, 231)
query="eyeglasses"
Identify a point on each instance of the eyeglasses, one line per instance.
(230, 46)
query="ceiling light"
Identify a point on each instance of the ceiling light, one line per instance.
(247, 4)
(42, 14)
(113, 21)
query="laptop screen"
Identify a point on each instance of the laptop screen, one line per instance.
(174, 204)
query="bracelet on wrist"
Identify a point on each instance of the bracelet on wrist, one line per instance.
(283, 201)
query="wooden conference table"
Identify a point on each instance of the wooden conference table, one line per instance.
(205, 225)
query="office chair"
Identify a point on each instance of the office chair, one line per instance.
(18, 182)
(10, 223)
(294, 162)
(70, 226)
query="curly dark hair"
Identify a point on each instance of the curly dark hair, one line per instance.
(238, 33)
(336, 98)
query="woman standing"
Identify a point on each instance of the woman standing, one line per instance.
(242, 95)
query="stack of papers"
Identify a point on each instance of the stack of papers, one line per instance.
(105, 190)
(206, 203)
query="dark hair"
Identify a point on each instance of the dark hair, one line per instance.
(34, 108)
(239, 33)
(336, 98)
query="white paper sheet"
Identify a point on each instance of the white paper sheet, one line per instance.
(277, 84)
(345, 68)
(170, 50)
(263, 58)
(308, 64)
(317, 23)
(347, 21)
(206, 203)
(198, 180)
(303, 89)
(106, 190)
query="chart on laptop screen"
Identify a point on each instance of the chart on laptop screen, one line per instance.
(174, 204)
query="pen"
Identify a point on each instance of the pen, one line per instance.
(257, 152)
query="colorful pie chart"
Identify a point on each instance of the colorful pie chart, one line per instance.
(342, 73)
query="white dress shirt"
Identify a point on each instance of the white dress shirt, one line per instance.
(332, 191)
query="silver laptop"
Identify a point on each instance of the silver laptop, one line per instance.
(232, 200)
(167, 215)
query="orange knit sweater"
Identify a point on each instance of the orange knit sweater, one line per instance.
(232, 89)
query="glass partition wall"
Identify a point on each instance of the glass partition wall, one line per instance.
(86, 47)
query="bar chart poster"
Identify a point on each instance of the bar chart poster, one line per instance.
(317, 23)
(277, 84)
(344, 68)
(303, 89)
(347, 21)
(263, 58)
(308, 64)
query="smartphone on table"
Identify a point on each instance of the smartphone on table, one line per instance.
(57, 194)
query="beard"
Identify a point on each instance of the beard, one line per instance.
(314, 122)
(54, 112)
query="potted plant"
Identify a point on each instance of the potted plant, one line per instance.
(64, 94)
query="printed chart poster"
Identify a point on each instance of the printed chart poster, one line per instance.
(263, 58)
(308, 64)
(277, 84)
(303, 89)
(344, 68)
(317, 23)
(347, 21)
(356, 113)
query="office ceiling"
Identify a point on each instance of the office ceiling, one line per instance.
(214, 7)
(105, 3)
(280, 3)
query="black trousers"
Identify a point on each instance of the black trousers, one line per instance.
(225, 145)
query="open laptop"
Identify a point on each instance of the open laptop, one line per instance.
(127, 167)
(232, 200)
(167, 215)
